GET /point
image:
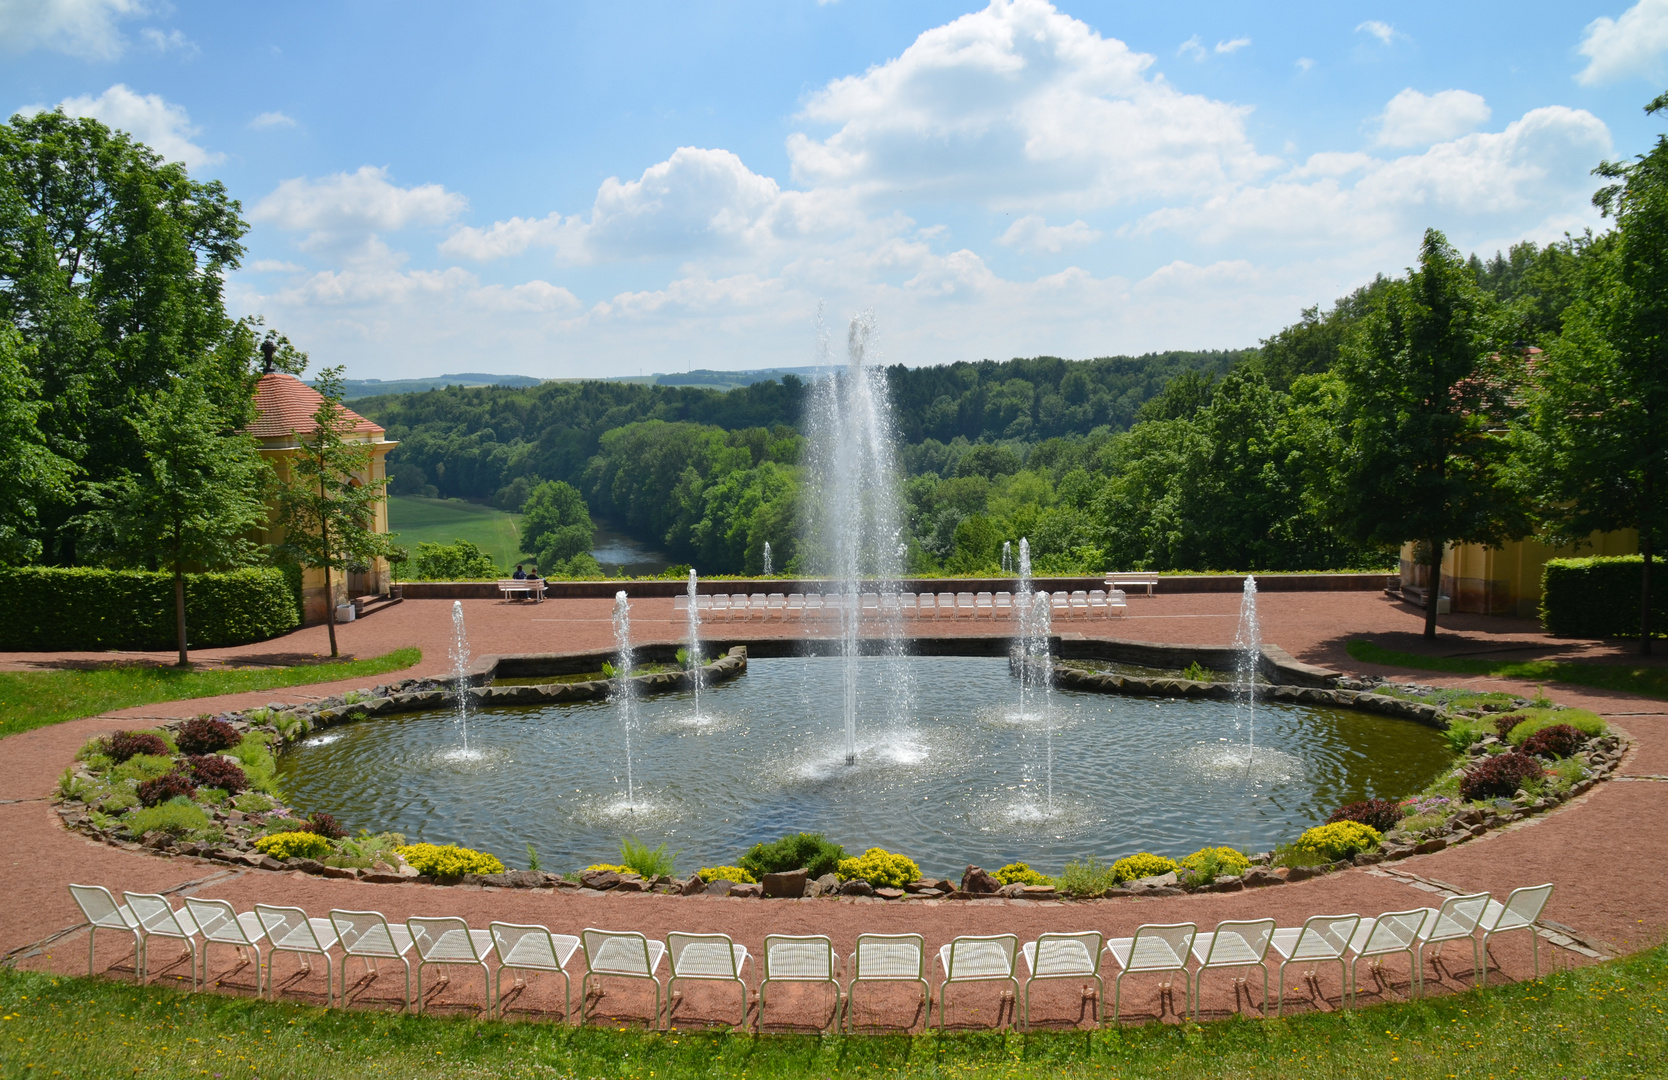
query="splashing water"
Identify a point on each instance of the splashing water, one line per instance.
(695, 673)
(767, 570)
(1007, 557)
(1248, 643)
(460, 671)
(623, 695)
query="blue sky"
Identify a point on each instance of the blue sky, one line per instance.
(568, 189)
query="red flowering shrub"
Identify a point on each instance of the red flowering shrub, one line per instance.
(211, 770)
(168, 786)
(124, 744)
(1503, 725)
(203, 735)
(323, 824)
(1557, 741)
(1498, 777)
(1381, 814)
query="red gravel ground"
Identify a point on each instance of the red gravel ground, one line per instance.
(1608, 868)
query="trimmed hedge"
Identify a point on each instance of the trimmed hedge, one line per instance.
(84, 607)
(1599, 596)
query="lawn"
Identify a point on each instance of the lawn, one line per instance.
(1647, 681)
(1595, 1022)
(32, 699)
(413, 520)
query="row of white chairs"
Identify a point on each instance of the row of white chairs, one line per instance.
(946, 605)
(1155, 948)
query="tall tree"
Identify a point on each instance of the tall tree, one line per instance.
(1421, 416)
(556, 525)
(1598, 440)
(328, 501)
(194, 502)
(30, 473)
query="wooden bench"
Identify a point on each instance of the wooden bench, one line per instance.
(532, 588)
(1119, 581)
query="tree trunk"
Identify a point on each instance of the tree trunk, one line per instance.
(179, 613)
(1434, 588)
(329, 595)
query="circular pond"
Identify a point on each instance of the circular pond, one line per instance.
(948, 770)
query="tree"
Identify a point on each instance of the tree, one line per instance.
(328, 501)
(1422, 405)
(195, 501)
(1597, 443)
(556, 524)
(30, 473)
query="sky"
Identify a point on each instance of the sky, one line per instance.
(580, 190)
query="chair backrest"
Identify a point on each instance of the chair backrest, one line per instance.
(525, 945)
(1097, 594)
(1161, 946)
(288, 927)
(889, 956)
(680, 602)
(980, 956)
(796, 600)
(1391, 932)
(906, 601)
(156, 914)
(947, 600)
(1080, 594)
(803, 957)
(218, 920)
(704, 954)
(1458, 916)
(363, 933)
(621, 952)
(1239, 941)
(1325, 936)
(444, 937)
(97, 905)
(1067, 954)
(1521, 908)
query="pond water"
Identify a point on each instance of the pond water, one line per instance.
(961, 778)
(618, 552)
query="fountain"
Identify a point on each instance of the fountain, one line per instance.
(1007, 558)
(766, 570)
(460, 672)
(622, 687)
(854, 515)
(1248, 642)
(694, 654)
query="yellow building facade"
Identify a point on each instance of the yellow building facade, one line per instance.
(1506, 580)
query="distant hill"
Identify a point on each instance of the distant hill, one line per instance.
(353, 389)
(724, 380)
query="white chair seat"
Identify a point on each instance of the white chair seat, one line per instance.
(1154, 955)
(317, 937)
(1289, 942)
(624, 956)
(710, 960)
(547, 954)
(1230, 949)
(1060, 958)
(978, 960)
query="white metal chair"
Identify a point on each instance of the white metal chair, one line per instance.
(908, 605)
(711, 957)
(102, 912)
(288, 929)
(1002, 605)
(796, 606)
(367, 935)
(1388, 934)
(1059, 604)
(619, 954)
(888, 958)
(775, 604)
(758, 604)
(527, 947)
(946, 605)
(1097, 602)
(983, 605)
(926, 606)
(891, 607)
(680, 602)
(1519, 912)
(813, 606)
(1321, 939)
(1233, 944)
(703, 607)
(801, 958)
(221, 924)
(157, 918)
(1063, 956)
(1079, 601)
(447, 939)
(977, 958)
(1456, 920)
(1156, 948)
(966, 605)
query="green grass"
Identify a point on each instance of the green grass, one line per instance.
(32, 699)
(1597, 1022)
(443, 521)
(1648, 681)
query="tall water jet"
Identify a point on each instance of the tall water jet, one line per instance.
(1007, 558)
(1248, 647)
(623, 696)
(853, 526)
(460, 670)
(766, 559)
(694, 654)
(1024, 587)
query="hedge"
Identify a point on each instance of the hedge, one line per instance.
(84, 607)
(1599, 596)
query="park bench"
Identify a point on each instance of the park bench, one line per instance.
(1122, 581)
(530, 588)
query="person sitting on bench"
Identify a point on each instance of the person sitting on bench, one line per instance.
(520, 574)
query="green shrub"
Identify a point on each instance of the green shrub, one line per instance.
(1590, 724)
(448, 860)
(710, 874)
(253, 802)
(293, 845)
(813, 851)
(1208, 864)
(81, 607)
(142, 767)
(880, 868)
(367, 849)
(649, 862)
(459, 561)
(179, 817)
(1091, 877)
(1597, 597)
(1462, 732)
(1020, 873)
(123, 798)
(258, 764)
(1141, 865)
(1294, 855)
(1339, 840)
(75, 788)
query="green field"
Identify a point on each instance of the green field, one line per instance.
(413, 520)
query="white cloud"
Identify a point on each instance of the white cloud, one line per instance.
(1232, 46)
(1385, 33)
(1415, 119)
(1033, 234)
(1192, 47)
(84, 28)
(165, 128)
(273, 266)
(349, 208)
(268, 120)
(172, 41)
(1632, 44)
(1304, 64)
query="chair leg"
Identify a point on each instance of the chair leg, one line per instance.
(1280, 1002)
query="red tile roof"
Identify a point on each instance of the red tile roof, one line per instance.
(285, 405)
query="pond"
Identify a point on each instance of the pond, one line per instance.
(958, 776)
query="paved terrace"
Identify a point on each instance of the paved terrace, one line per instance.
(1609, 870)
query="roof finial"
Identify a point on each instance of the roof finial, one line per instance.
(268, 347)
